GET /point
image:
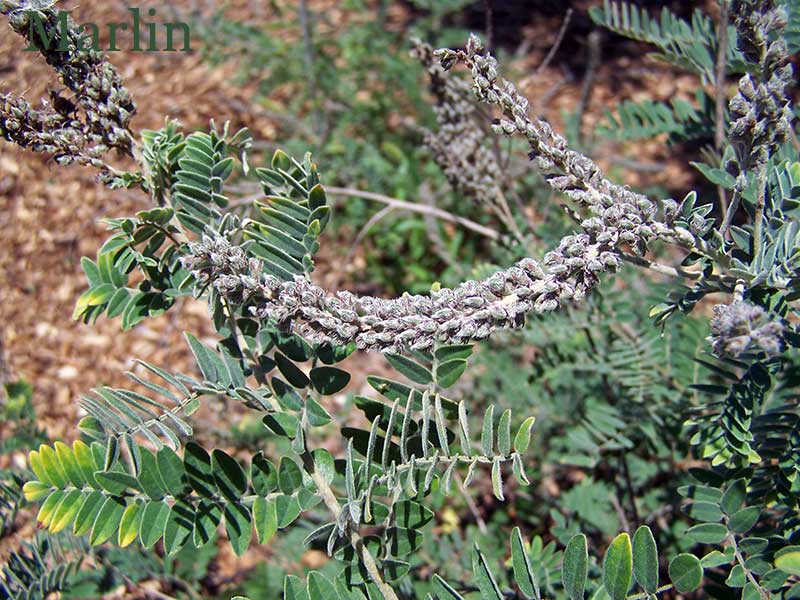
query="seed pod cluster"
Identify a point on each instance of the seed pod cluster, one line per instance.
(104, 107)
(457, 145)
(740, 327)
(761, 114)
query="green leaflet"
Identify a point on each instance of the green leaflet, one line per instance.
(265, 519)
(685, 573)
(107, 521)
(483, 576)
(618, 567)
(153, 523)
(645, 559)
(575, 567)
(238, 526)
(523, 571)
(229, 476)
(329, 380)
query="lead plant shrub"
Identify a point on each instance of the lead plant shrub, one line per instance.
(137, 476)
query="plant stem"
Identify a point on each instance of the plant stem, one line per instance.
(740, 559)
(758, 219)
(645, 595)
(414, 207)
(308, 47)
(329, 498)
(720, 92)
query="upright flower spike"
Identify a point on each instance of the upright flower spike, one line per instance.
(760, 111)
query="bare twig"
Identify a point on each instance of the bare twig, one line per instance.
(556, 45)
(308, 48)
(594, 49)
(418, 208)
(395, 204)
(720, 95)
(489, 18)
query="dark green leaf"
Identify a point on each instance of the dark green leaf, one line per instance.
(290, 371)
(237, 526)
(173, 475)
(449, 372)
(685, 573)
(320, 587)
(206, 520)
(447, 353)
(412, 515)
(618, 567)
(523, 438)
(179, 526)
(704, 511)
(743, 520)
(483, 576)
(197, 464)
(154, 520)
(290, 477)
(87, 513)
(645, 559)
(444, 591)
(263, 475)
(734, 496)
(708, 533)
(575, 567)
(329, 380)
(229, 475)
(149, 479)
(265, 519)
(523, 571)
(107, 521)
(411, 369)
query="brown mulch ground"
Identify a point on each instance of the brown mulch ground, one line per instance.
(49, 214)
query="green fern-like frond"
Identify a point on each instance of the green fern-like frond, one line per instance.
(691, 45)
(41, 567)
(724, 429)
(197, 190)
(289, 220)
(646, 119)
(163, 496)
(628, 561)
(160, 416)
(121, 412)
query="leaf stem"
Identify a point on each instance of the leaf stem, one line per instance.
(329, 498)
(645, 595)
(740, 559)
(758, 219)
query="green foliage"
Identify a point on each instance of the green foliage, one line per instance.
(412, 489)
(19, 417)
(647, 119)
(40, 567)
(692, 45)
